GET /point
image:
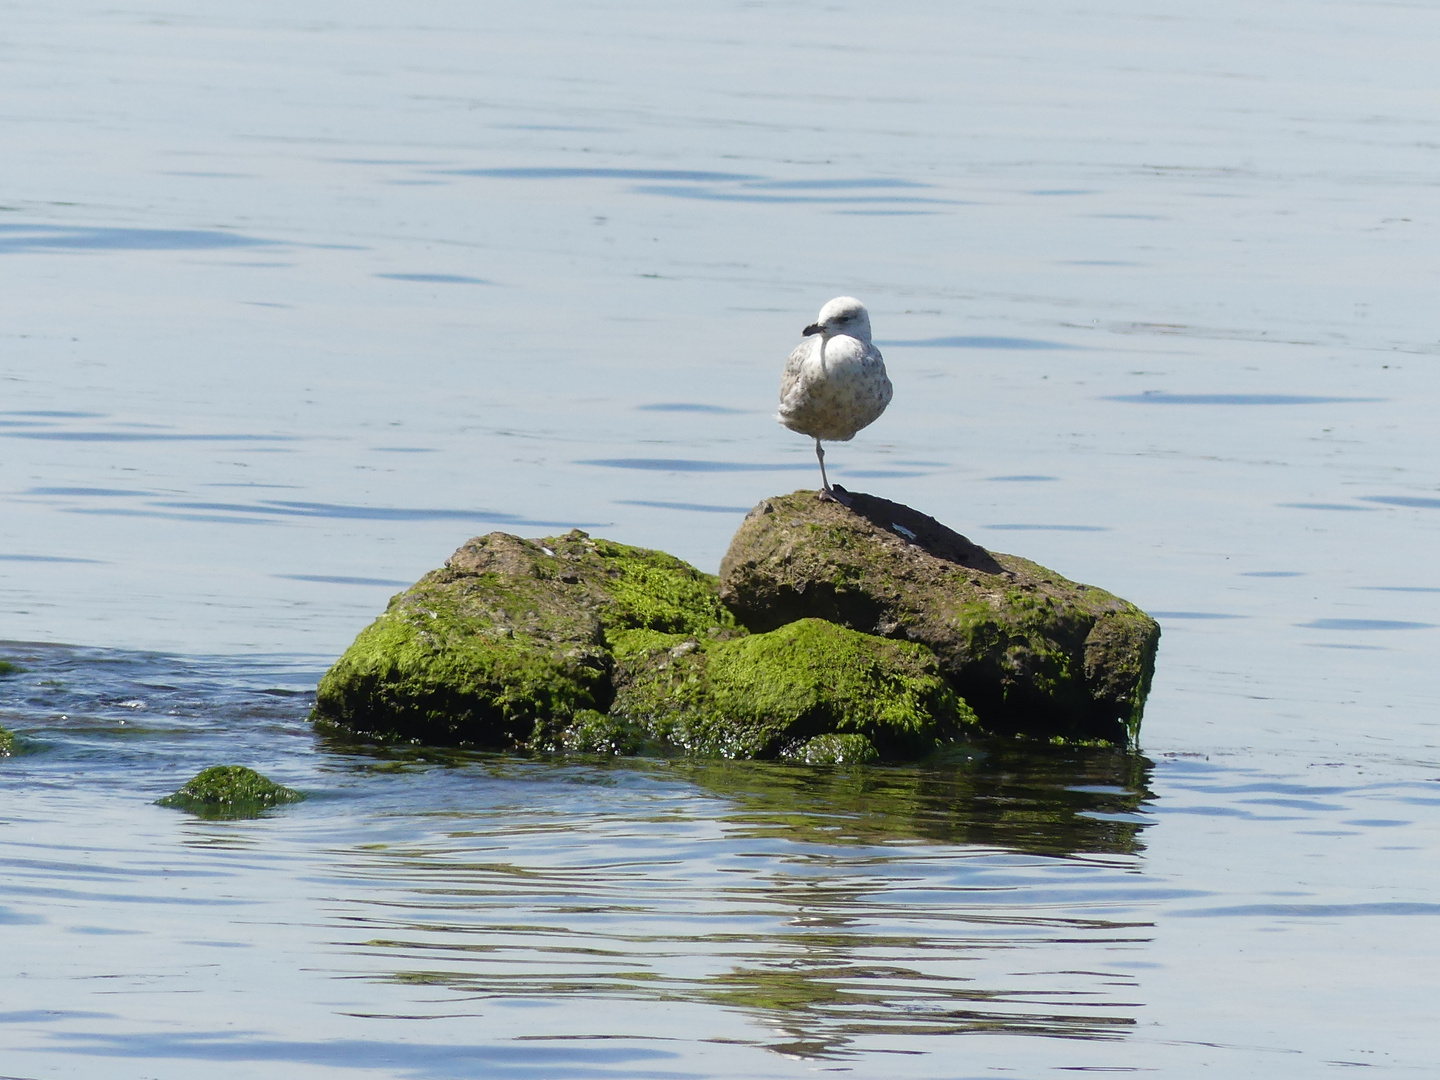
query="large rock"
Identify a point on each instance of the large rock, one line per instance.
(857, 633)
(1030, 651)
(511, 636)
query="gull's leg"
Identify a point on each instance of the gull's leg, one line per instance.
(824, 481)
(827, 493)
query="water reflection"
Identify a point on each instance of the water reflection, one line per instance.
(1194, 615)
(688, 407)
(1023, 527)
(1364, 624)
(437, 279)
(676, 191)
(141, 436)
(738, 187)
(420, 1060)
(600, 174)
(700, 508)
(977, 343)
(269, 511)
(1157, 398)
(833, 906)
(24, 238)
(687, 465)
(339, 579)
(1050, 801)
(1404, 500)
(46, 559)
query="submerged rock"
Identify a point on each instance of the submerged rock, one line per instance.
(508, 635)
(229, 791)
(1029, 650)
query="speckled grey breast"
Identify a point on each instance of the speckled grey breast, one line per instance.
(834, 395)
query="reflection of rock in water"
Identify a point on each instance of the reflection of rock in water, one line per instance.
(840, 909)
(862, 961)
(1051, 801)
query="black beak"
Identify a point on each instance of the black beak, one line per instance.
(813, 328)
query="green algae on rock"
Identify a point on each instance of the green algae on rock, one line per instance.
(874, 632)
(7, 742)
(810, 690)
(1031, 651)
(7, 668)
(512, 637)
(229, 791)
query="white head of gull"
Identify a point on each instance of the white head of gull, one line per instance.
(834, 382)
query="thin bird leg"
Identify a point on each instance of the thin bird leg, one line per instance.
(827, 493)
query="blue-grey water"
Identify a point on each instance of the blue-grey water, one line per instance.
(297, 297)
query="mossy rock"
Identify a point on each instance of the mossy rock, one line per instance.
(229, 791)
(809, 691)
(7, 668)
(7, 742)
(509, 638)
(877, 634)
(1031, 651)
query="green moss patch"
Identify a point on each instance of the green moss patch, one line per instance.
(511, 641)
(7, 668)
(770, 695)
(7, 742)
(229, 791)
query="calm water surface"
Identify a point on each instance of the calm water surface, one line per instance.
(297, 299)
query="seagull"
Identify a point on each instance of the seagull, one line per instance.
(834, 382)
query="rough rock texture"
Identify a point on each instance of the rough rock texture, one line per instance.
(229, 791)
(1029, 650)
(863, 633)
(511, 637)
(810, 691)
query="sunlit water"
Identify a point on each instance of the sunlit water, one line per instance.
(299, 297)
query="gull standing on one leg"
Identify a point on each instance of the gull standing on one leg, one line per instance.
(834, 382)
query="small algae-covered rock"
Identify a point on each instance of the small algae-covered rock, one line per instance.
(7, 668)
(1031, 651)
(229, 791)
(836, 750)
(810, 690)
(7, 742)
(510, 641)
